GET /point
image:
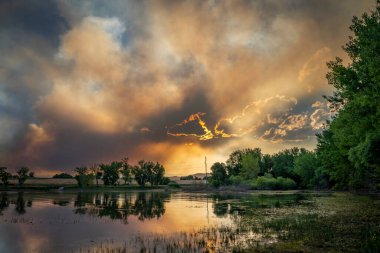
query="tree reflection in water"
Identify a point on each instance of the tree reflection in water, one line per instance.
(19, 202)
(118, 206)
(4, 202)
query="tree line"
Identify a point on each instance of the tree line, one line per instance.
(143, 172)
(287, 169)
(347, 155)
(22, 174)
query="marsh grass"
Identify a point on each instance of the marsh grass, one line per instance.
(339, 222)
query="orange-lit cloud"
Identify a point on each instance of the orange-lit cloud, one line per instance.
(207, 135)
(249, 119)
(270, 119)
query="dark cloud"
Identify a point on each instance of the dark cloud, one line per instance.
(33, 17)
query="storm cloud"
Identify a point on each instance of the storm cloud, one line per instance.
(85, 82)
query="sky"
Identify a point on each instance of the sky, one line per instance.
(85, 82)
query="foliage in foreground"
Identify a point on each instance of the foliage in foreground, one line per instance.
(349, 147)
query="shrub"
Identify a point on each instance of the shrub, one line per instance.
(165, 181)
(85, 180)
(285, 183)
(268, 182)
(264, 183)
(236, 180)
(173, 184)
(84, 177)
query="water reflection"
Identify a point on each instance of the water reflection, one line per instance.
(19, 203)
(148, 205)
(144, 205)
(4, 202)
(87, 219)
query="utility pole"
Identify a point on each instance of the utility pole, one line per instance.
(206, 169)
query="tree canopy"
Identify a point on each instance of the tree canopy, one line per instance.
(349, 147)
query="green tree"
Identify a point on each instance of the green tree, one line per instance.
(4, 175)
(165, 181)
(111, 172)
(234, 163)
(305, 166)
(95, 171)
(84, 176)
(283, 163)
(218, 175)
(22, 175)
(235, 160)
(250, 166)
(143, 172)
(126, 171)
(158, 173)
(349, 147)
(266, 164)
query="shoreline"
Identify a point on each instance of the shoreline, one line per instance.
(183, 188)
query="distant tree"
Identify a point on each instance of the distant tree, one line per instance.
(306, 166)
(111, 172)
(235, 160)
(126, 171)
(189, 177)
(84, 176)
(63, 175)
(283, 163)
(266, 164)
(234, 163)
(22, 175)
(4, 175)
(143, 172)
(218, 175)
(158, 172)
(95, 170)
(98, 176)
(31, 174)
(165, 181)
(250, 166)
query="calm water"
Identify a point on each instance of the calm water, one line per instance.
(75, 222)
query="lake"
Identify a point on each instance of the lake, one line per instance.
(187, 222)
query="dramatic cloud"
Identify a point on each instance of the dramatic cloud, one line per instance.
(87, 81)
